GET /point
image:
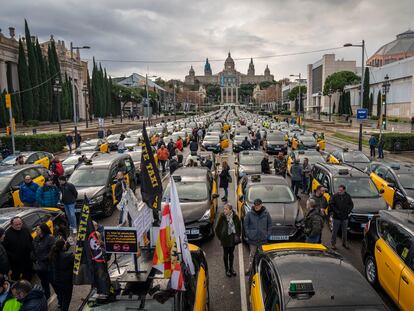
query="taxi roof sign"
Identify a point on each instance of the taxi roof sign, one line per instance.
(255, 178)
(301, 289)
(343, 171)
(293, 246)
(177, 178)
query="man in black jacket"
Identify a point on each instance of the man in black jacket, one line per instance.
(4, 259)
(193, 147)
(246, 145)
(69, 196)
(340, 205)
(32, 298)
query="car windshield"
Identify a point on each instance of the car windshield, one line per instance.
(271, 194)
(275, 137)
(357, 187)
(211, 139)
(188, 191)
(9, 160)
(89, 177)
(356, 156)
(71, 160)
(251, 159)
(406, 180)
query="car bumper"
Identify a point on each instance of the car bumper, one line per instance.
(276, 150)
(283, 234)
(94, 209)
(198, 231)
(357, 222)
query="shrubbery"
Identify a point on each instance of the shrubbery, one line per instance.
(39, 142)
(406, 141)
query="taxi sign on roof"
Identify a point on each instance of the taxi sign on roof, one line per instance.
(293, 246)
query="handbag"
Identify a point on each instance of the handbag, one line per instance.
(237, 239)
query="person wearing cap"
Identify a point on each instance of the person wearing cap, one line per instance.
(48, 194)
(257, 225)
(4, 259)
(69, 196)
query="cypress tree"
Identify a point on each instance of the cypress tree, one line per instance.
(33, 71)
(365, 99)
(44, 107)
(4, 120)
(379, 103)
(25, 85)
(371, 103)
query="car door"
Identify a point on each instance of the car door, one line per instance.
(406, 299)
(378, 177)
(36, 175)
(269, 291)
(315, 180)
(389, 264)
(14, 184)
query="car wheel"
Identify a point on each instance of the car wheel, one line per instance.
(108, 208)
(371, 272)
(398, 205)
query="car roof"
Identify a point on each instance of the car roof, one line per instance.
(336, 169)
(9, 212)
(187, 173)
(404, 217)
(251, 152)
(401, 167)
(105, 160)
(266, 179)
(7, 170)
(335, 281)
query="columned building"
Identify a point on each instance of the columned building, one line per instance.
(9, 52)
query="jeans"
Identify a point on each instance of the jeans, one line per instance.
(163, 162)
(70, 214)
(336, 224)
(313, 239)
(372, 150)
(295, 186)
(228, 257)
(45, 282)
(305, 186)
(380, 152)
(226, 192)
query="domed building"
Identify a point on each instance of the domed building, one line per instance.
(402, 47)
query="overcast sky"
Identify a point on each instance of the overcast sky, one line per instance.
(196, 29)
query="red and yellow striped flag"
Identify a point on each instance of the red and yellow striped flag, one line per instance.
(162, 255)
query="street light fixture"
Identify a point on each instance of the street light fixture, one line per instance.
(362, 46)
(385, 90)
(85, 94)
(57, 88)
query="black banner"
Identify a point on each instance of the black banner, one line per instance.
(151, 186)
(121, 240)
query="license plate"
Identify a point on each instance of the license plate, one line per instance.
(279, 237)
(363, 225)
(192, 231)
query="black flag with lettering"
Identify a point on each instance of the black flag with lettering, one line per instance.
(151, 186)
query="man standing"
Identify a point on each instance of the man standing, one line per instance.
(381, 143)
(27, 192)
(48, 194)
(372, 145)
(265, 165)
(120, 186)
(319, 198)
(280, 165)
(78, 139)
(340, 205)
(69, 196)
(246, 144)
(296, 173)
(18, 244)
(171, 148)
(69, 141)
(313, 222)
(257, 225)
(193, 147)
(163, 156)
(306, 175)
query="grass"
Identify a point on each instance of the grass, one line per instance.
(350, 139)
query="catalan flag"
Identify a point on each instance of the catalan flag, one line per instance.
(162, 254)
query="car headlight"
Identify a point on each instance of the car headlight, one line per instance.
(96, 200)
(206, 216)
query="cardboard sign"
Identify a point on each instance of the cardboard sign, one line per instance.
(121, 240)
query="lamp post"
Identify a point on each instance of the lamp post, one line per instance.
(85, 94)
(132, 105)
(330, 106)
(362, 46)
(385, 90)
(57, 88)
(75, 119)
(175, 116)
(319, 106)
(299, 93)
(147, 95)
(120, 103)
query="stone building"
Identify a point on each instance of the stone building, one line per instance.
(229, 79)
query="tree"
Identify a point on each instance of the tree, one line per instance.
(26, 94)
(294, 95)
(371, 103)
(337, 81)
(365, 99)
(44, 87)
(33, 72)
(379, 103)
(266, 84)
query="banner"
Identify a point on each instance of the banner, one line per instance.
(151, 186)
(121, 240)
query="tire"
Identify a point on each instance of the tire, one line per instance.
(398, 205)
(370, 270)
(107, 208)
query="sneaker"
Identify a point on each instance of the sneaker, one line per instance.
(233, 273)
(228, 273)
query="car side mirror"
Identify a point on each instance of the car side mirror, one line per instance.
(215, 195)
(381, 191)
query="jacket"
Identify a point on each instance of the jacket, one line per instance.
(306, 170)
(224, 178)
(372, 141)
(341, 205)
(47, 196)
(4, 260)
(296, 172)
(257, 226)
(69, 193)
(280, 166)
(222, 228)
(265, 166)
(246, 144)
(171, 149)
(321, 202)
(313, 223)
(41, 249)
(163, 154)
(35, 301)
(11, 304)
(27, 192)
(193, 146)
(18, 244)
(179, 144)
(174, 165)
(62, 268)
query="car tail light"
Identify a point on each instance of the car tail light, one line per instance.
(366, 227)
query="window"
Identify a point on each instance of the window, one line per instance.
(381, 171)
(31, 220)
(270, 292)
(390, 178)
(32, 172)
(17, 180)
(42, 171)
(320, 176)
(325, 182)
(397, 238)
(34, 157)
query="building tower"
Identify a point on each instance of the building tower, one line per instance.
(267, 71)
(207, 69)
(229, 63)
(250, 71)
(191, 72)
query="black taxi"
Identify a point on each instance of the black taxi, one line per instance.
(365, 195)
(388, 255)
(302, 276)
(95, 179)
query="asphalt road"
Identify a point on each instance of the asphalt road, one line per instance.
(231, 293)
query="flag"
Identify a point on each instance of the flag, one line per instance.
(162, 256)
(90, 265)
(151, 186)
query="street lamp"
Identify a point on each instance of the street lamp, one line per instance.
(85, 94)
(319, 106)
(330, 92)
(300, 94)
(57, 88)
(77, 48)
(385, 90)
(120, 103)
(362, 46)
(147, 99)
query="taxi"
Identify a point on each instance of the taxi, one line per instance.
(366, 197)
(303, 142)
(95, 179)
(280, 202)
(211, 143)
(31, 157)
(302, 276)
(198, 193)
(12, 176)
(71, 160)
(275, 142)
(312, 155)
(249, 162)
(149, 290)
(93, 145)
(34, 216)
(396, 180)
(387, 253)
(351, 157)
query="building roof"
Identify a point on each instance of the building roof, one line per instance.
(136, 80)
(404, 43)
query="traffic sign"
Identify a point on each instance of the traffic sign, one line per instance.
(362, 113)
(8, 101)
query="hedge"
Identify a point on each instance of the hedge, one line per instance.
(406, 141)
(39, 142)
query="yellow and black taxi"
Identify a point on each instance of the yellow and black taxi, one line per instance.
(95, 179)
(92, 145)
(280, 203)
(396, 180)
(248, 162)
(30, 157)
(198, 193)
(148, 290)
(238, 141)
(302, 276)
(275, 142)
(388, 255)
(12, 176)
(34, 216)
(351, 157)
(365, 195)
(303, 142)
(312, 155)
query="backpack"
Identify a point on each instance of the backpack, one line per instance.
(59, 169)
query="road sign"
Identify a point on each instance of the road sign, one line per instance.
(8, 101)
(362, 113)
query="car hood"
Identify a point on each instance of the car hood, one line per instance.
(90, 192)
(368, 205)
(276, 142)
(250, 169)
(193, 211)
(283, 213)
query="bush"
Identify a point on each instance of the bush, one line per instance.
(39, 142)
(374, 117)
(406, 141)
